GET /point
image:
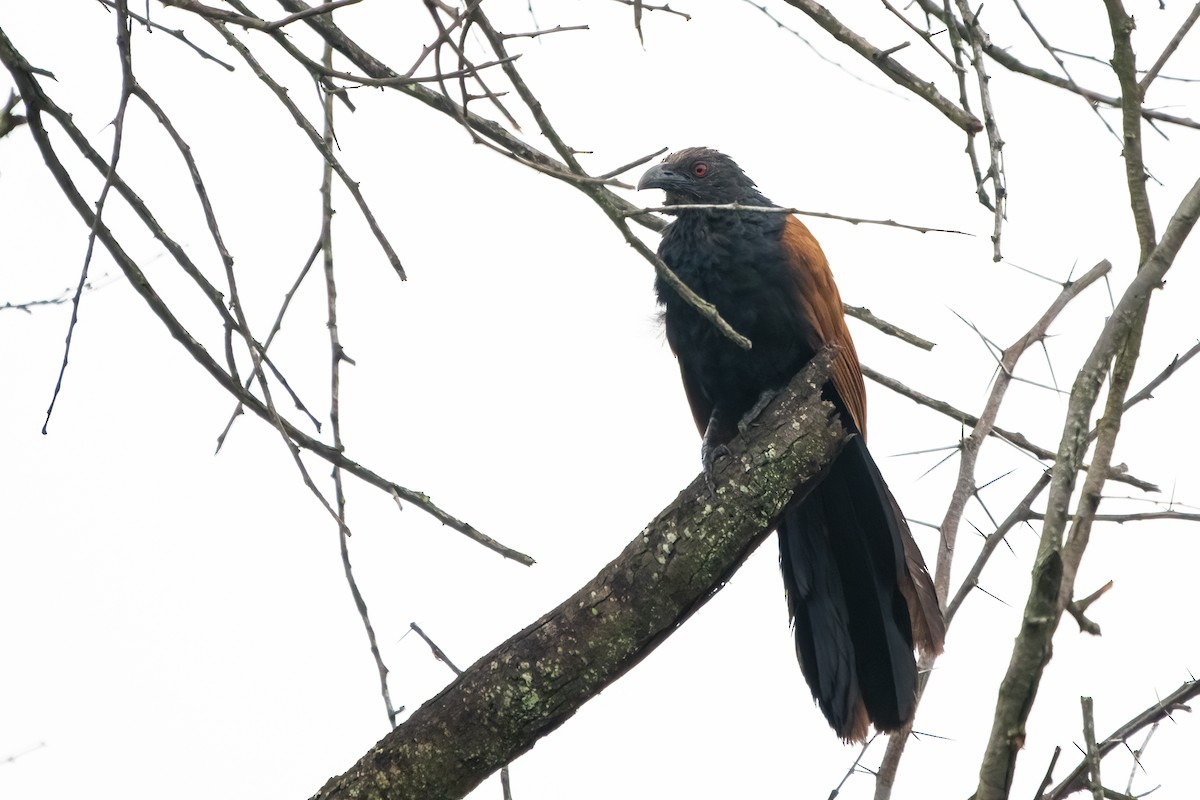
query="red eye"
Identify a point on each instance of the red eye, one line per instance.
(699, 169)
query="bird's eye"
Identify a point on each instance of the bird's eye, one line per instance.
(699, 169)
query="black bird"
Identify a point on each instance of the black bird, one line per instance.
(857, 588)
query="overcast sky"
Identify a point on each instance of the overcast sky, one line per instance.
(177, 624)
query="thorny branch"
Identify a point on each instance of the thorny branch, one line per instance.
(1174, 701)
(1031, 651)
(1018, 440)
(965, 486)
(1092, 752)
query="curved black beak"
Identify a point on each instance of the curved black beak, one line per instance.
(661, 176)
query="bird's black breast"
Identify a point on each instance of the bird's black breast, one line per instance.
(735, 261)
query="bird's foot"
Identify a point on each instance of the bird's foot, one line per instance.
(764, 400)
(709, 454)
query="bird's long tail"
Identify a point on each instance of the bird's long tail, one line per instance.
(859, 595)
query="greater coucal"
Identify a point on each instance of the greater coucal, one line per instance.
(856, 585)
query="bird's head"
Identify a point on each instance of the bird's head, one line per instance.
(701, 175)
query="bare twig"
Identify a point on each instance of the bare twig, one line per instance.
(993, 540)
(1147, 391)
(250, 21)
(635, 163)
(1121, 519)
(676, 209)
(232, 326)
(438, 653)
(315, 138)
(1014, 438)
(1053, 51)
(925, 35)
(567, 153)
(1078, 610)
(218, 14)
(324, 8)
(888, 66)
(257, 358)
(1092, 751)
(978, 39)
(125, 55)
(1004, 58)
(61, 299)
(37, 102)
(275, 328)
(612, 204)
(1137, 758)
(176, 33)
(666, 8)
(865, 315)
(766, 12)
(545, 31)
(862, 751)
(964, 100)
(337, 356)
(987, 420)
(1049, 776)
(1169, 50)
(1175, 701)
(22, 753)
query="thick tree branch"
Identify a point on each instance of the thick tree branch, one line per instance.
(1130, 345)
(536, 680)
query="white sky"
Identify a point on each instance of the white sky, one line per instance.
(177, 624)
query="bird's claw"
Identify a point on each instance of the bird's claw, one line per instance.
(708, 457)
(763, 401)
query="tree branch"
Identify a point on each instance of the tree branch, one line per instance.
(889, 66)
(1031, 651)
(536, 680)
(1177, 700)
(36, 102)
(1004, 58)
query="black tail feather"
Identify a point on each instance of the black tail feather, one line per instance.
(843, 561)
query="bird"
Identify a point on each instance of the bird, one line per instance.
(858, 593)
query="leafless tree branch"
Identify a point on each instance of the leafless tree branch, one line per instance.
(1174, 701)
(37, 103)
(535, 681)
(888, 66)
